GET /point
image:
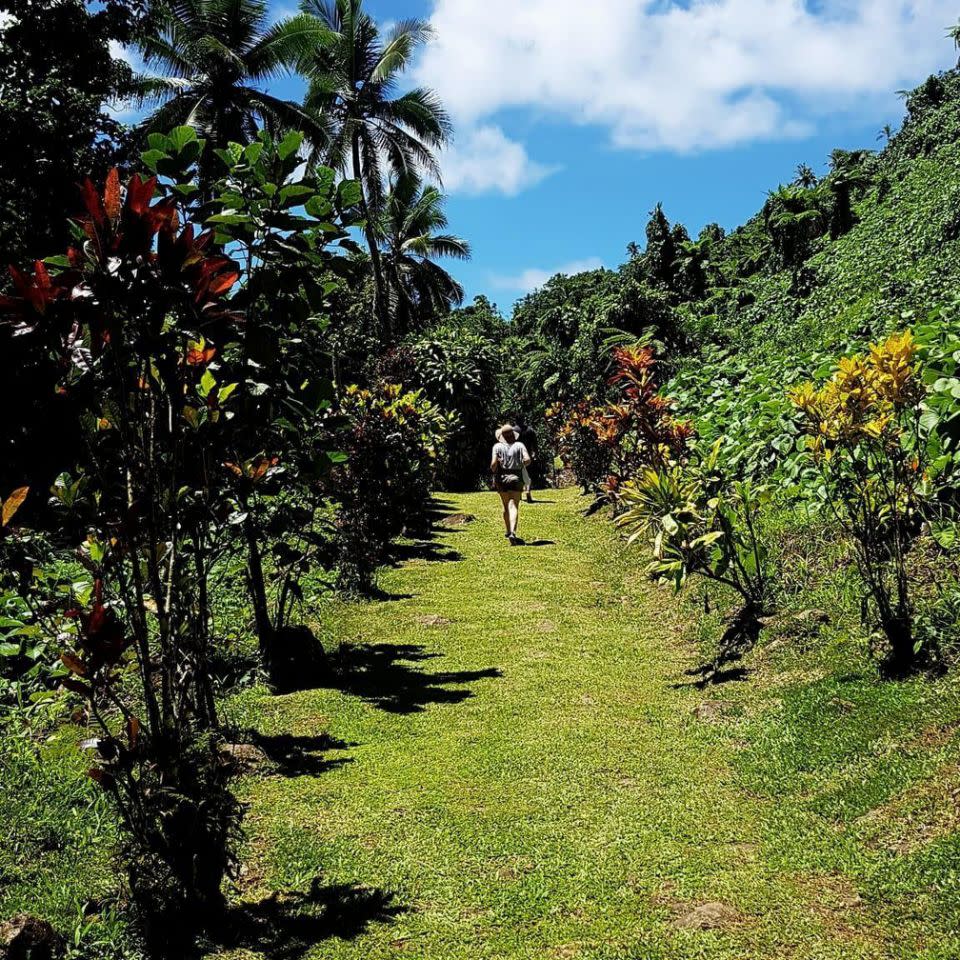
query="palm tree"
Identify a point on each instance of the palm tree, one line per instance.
(408, 230)
(353, 75)
(793, 219)
(954, 34)
(214, 57)
(886, 133)
(805, 177)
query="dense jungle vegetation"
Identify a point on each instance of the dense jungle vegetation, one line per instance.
(243, 397)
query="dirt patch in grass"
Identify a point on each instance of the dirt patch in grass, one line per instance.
(456, 521)
(836, 903)
(923, 813)
(712, 915)
(434, 620)
(691, 915)
(711, 711)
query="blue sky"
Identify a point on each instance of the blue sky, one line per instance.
(574, 119)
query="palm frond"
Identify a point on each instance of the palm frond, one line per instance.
(403, 41)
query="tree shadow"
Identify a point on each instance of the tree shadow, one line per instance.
(428, 550)
(441, 504)
(739, 638)
(385, 675)
(302, 756)
(383, 596)
(712, 675)
(288, 926)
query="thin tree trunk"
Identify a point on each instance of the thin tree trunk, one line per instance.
(380, 304)
(258, 591)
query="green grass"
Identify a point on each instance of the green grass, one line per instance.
(56, 843)
(526, 777)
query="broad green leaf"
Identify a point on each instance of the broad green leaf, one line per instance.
(318, 207)
(151, 158)
(207, 382)
(348, 193)
(290, 144)
(181, 136)
(295, 192)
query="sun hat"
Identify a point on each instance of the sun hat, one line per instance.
(502, 429)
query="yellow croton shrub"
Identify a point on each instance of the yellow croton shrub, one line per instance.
(863, 398)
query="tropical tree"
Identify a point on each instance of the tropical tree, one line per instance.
(214, 58)
(57, 80)
(849, 176)
(354, 74)
(794, 219)
(408, 231)
(806, 177)
(886, 133)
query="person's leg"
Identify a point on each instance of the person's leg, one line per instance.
(514, 511)
(505, 500)
(527, 484)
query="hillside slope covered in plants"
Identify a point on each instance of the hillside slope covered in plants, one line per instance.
(741, 399)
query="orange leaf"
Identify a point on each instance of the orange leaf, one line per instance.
(74, 664)
(197, 356)
(222, 283)
(101, 776)
(111, 195)
(133, 731)
(12, 505)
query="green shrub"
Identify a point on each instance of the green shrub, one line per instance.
(392, 439)
(704, 523)
(867, 441)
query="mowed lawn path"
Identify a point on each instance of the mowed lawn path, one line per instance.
(509, 764)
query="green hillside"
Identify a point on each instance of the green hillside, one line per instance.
(897, 260)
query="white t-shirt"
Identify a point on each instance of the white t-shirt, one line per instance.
(511, 456)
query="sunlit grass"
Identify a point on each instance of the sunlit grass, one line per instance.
(518, 772)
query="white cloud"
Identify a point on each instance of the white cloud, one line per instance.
(484, 160)
(119, 52)
(680, 76)
(533, 277)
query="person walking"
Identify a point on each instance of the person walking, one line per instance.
(507, 463)
(528, 437)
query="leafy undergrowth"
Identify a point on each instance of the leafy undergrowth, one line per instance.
(56, 844)
(512, 759)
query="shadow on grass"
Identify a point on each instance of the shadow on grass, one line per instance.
(711, 675)
(382, 596)
(387, 676)
(302, 756)
(289, 926)
(539, 543)
(428, 550)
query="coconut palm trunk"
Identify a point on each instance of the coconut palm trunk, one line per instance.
(379, 293)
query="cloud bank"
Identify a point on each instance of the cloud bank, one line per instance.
(663, 75)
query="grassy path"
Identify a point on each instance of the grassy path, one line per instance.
(510, 766)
